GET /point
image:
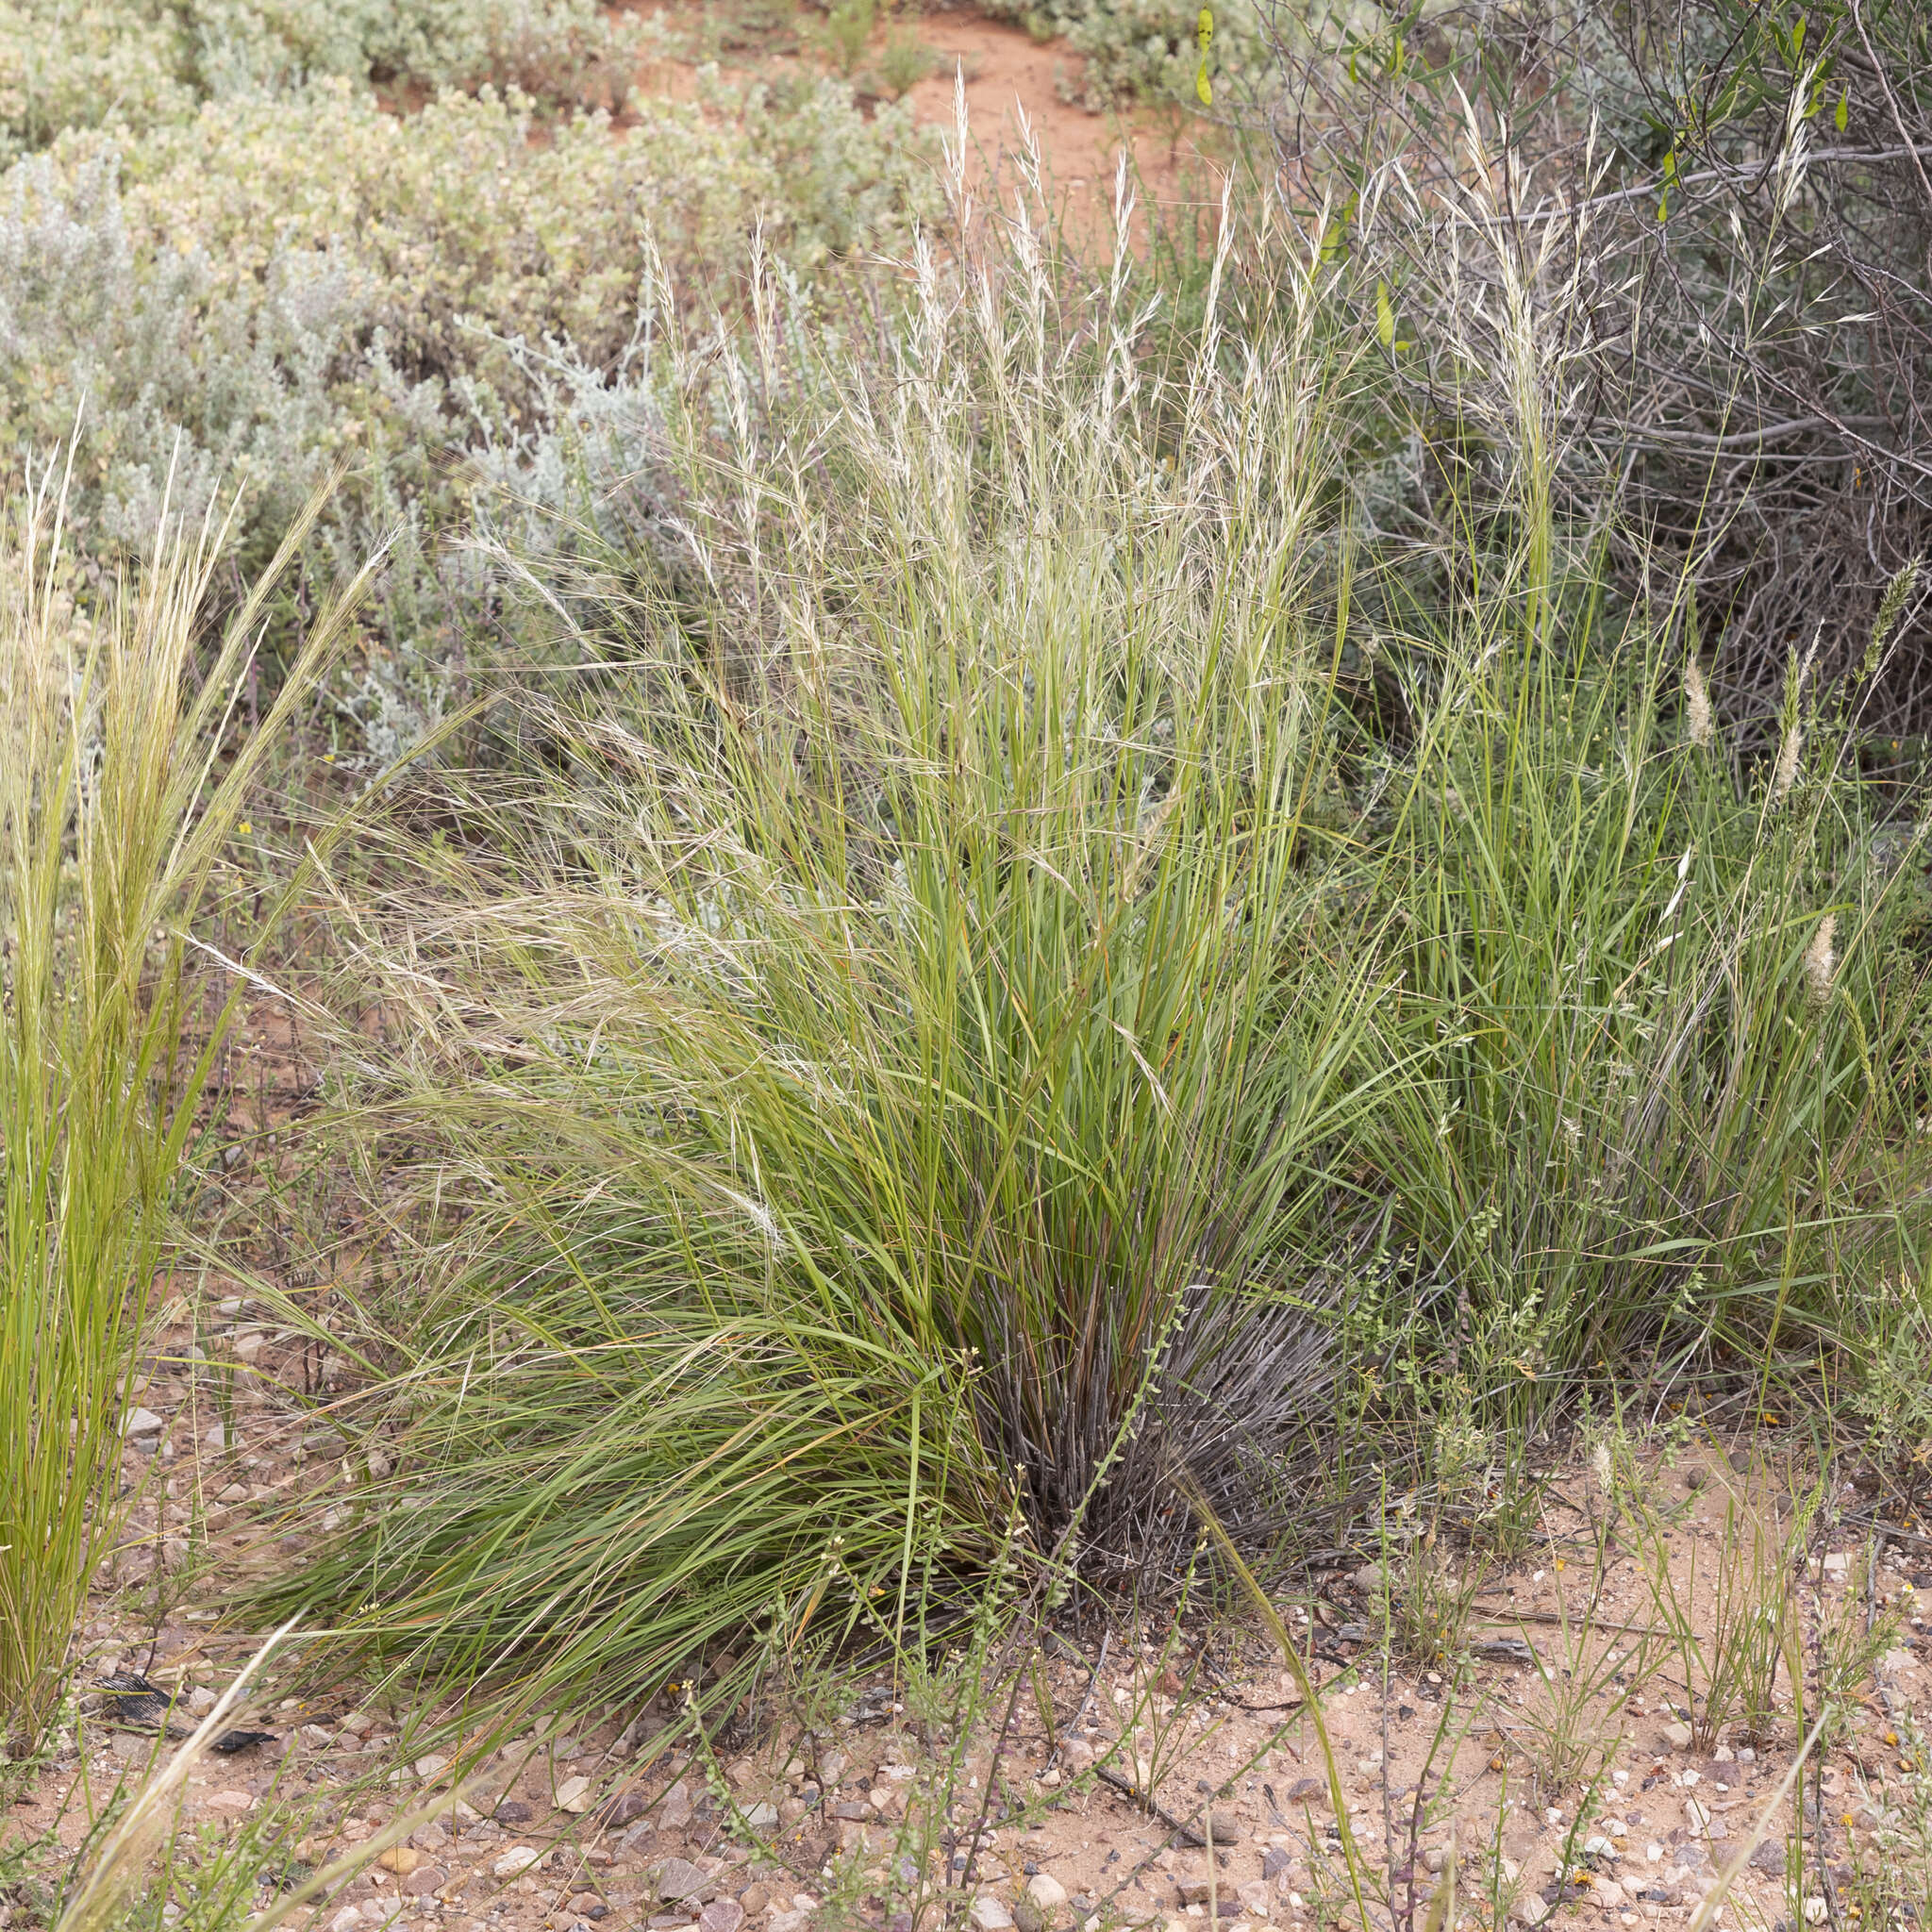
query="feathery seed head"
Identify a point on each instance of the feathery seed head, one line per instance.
(1697, 714)
(1821, 961)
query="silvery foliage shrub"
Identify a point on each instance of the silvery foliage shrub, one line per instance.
(142, 63)
(279, 285)
(163, 368)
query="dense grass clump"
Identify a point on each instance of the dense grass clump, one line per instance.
(1042, 952)
(915, 1035)
(1671, 1096)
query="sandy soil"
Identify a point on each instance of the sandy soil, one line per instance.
(1154, 1745)
(1013, 87)
(1012, 94)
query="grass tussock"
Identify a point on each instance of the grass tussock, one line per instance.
(1048, 962)
(118, 788)
(1668, 1105)
(1106, 914)
(889, 1085)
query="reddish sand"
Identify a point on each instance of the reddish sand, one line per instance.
(1012, 93)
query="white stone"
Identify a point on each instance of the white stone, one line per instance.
(573, 1794)
(988, 1914)
(1815, 1911)
(427, 1768)
(143, 1422)
(1678, 1736)
(1696, 1815)
(1045, 1890)
(516, 1861)
(1530, 1909)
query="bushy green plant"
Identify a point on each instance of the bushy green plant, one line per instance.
(1674, 969)
(848, 32)
(1150, 50)
(1667, 1106)
(903, 61)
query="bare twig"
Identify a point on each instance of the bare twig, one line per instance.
(1149, 1804)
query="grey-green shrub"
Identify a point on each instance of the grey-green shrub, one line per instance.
(281, 283)
(141, 64)
(281, 280)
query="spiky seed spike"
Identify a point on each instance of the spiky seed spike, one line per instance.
(1898, 594)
